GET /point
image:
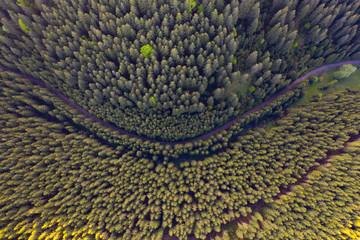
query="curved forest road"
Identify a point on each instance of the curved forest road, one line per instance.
(215, 131)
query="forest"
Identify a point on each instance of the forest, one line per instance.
(173, 70)
(59, 179)
(106, 109)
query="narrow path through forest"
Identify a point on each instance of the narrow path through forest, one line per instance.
(202, 137)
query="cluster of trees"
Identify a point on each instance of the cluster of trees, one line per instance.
(57, 179)
(345, 71)
(326, 206)
(157, 151)
(172, 70)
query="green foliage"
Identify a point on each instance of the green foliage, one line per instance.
(314, 79)
(28, 4)
(352, 229)
(321, 84)
(56, 159)
(187, 67)
(23, 2)
(85, 38)
(153, 100)
(251, 89)
(5, 29)
(295, 45)
(191, 4)
(234, 60)
(200, 9)
(317, 97)
(327, 85)
(291, 213)
(146, 50)
(43, 145)
(345, 71)
(24, 27)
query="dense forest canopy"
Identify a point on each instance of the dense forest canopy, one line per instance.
(173, 70)
(58, 180)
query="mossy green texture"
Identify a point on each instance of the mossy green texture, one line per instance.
(146, 50)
